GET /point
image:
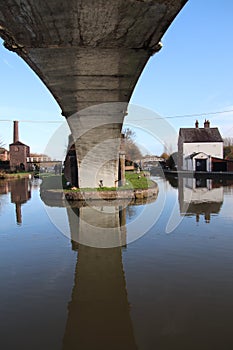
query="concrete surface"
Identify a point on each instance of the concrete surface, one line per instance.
(88, 52)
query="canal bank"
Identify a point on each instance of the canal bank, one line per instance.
(137, 187)
(207, 174)
(14, 176)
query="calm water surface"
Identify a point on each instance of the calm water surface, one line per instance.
(170, 289)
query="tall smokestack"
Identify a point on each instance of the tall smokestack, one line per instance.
(16, 131)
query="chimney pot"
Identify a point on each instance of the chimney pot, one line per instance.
(197, 124)
(206, 124)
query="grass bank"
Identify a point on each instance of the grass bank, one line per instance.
(133, 181)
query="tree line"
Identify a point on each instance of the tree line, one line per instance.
(228, 147)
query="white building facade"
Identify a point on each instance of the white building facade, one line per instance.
(197, 146)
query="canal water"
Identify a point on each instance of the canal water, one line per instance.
(170, 286)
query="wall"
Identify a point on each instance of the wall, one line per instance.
(215, 149)
(18, 155)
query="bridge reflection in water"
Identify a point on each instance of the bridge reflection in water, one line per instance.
(99, 312)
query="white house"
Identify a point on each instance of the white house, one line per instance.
(197, 146)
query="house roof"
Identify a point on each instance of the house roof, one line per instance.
(225, 160)
(190, 135)
(201, 208)
(191, 156)
(18, 143)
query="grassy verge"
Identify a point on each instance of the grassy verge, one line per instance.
(6, 176)
(133, 181)
(138, 181)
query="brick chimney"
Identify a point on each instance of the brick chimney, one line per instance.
(197, 124)
(206, 124)
(16, 131)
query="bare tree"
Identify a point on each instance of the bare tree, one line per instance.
(228, 141)
(228, 147)
(132, 152)
(168, 148)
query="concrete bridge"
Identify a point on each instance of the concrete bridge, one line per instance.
(89, 54)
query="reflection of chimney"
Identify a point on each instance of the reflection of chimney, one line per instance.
(207, 218)
(197, 124)
(18, 213)
(16, 131)
(206, 124)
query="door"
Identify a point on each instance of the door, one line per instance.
(200, 164)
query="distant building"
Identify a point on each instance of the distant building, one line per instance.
(197, 146)
(18, 152)
(37, 158)
(4, 154)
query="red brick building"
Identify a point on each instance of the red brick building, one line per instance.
(4, 154)
(18, 152)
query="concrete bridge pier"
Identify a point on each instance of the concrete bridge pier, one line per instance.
(88, 53)
(96, 132)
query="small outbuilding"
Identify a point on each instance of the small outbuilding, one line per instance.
(199, 161)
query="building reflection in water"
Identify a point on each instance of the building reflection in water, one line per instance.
(199, 197)
(4, 188)
(20, 193)
(99, 312)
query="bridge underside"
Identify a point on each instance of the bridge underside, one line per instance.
(88, 53)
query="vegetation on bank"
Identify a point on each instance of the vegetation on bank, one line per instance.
(228, 148)
(8, 176)
(133, 181)
(138, 181)
(131, 149)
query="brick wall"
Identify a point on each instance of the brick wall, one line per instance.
(18, 156)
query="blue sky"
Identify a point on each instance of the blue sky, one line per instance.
(192, 74)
